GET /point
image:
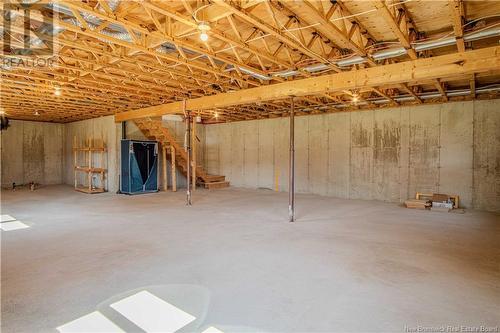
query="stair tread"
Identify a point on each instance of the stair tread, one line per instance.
(154, 130)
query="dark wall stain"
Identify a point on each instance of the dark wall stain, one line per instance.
(360, 137)
(387, 140)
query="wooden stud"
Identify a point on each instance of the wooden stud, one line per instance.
(173, 171)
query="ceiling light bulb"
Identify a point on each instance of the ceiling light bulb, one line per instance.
(36, 113)
(355, 98)
(203, 27)
(57, 91)
(216, 114)
(2, 112)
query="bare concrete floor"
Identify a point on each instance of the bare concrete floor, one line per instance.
(345, 265)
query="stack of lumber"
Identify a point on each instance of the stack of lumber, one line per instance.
(417, 204)
(438, 197)
(440, 209)
(214, 181)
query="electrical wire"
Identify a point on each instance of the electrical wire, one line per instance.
(329, 61)
(423, 41)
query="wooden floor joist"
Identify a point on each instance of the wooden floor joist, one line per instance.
(141, 58)
(464, 63)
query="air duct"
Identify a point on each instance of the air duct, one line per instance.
(404, 98)
(351, 61)
(316, 68)
(389, 53)
(113, 30)
(472, 36)
(254, 74)
(286, 73)
(424, 46)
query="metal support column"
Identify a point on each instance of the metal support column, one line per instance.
(291, 163)
(188, 151)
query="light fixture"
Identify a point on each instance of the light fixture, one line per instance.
(203, 27)
(57, 91)
(2, 113)
(36, 113)
(355, 97)
(216, 115)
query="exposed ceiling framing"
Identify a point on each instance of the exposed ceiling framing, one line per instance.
(131, 57)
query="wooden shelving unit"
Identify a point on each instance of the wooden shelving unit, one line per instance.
(94, 150)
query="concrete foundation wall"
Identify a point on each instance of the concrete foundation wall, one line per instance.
(32, 152)
(178, 129)
(383, 155)
(111, 133)
(104, 129)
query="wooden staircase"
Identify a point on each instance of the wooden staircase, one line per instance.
(154, 130)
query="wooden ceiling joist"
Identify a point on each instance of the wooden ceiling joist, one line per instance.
(457, 14)
(465, 63)
(143, 57)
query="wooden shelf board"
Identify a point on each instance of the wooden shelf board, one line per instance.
(89, 149)
(87, 169)
(85, 189)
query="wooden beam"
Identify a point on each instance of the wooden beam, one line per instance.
(409, 91)
(172, 169)
(472, 84)
(310, 14)
(393, 24)
(269, 29)
(458, 18)
(439, 86)
(135, 47)
(451, 65)
(381, 93)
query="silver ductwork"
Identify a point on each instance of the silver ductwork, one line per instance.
(404, 98)
(166, 48)
(59, 8)
(113, 30)
(113, 4)
(389, 53)
(316, 68)
(310, 69)
(400, 51)
(434, 44)
(351, 61)
(472, 36)
(45, 29)
(423, 46)
(286, 73)
(429, 95)
(254, 74)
